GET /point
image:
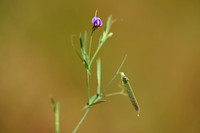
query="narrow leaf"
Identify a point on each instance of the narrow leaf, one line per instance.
(81, 42)
(52, 103)
(108, 24)
(82, 48)
(76, 50)
(85, 42)
(56, 113)
(109, 35)
(87, 106)
(101, 101)
(98, 75)
(85, 48)
(92, 99)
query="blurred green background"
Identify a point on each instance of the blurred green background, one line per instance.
(161, 39)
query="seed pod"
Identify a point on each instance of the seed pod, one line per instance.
(129, 90)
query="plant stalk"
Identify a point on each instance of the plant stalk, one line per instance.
(88, 85)
(83, 117)
(90, 46)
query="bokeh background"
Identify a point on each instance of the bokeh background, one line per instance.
(161, 39)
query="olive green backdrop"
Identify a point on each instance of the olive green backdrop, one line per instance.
(161, 39)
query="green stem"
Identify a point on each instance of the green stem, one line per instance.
(96, 52)
(90, 46)
(88, 86)
(81, 120)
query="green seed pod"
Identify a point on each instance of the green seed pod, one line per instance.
(129, 90)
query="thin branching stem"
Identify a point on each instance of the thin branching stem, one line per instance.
(83, 117)
(96, 52)
(88, 84)
(114, 75)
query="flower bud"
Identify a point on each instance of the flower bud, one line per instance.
(96, 22)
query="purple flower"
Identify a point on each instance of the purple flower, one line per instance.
(96, 22)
